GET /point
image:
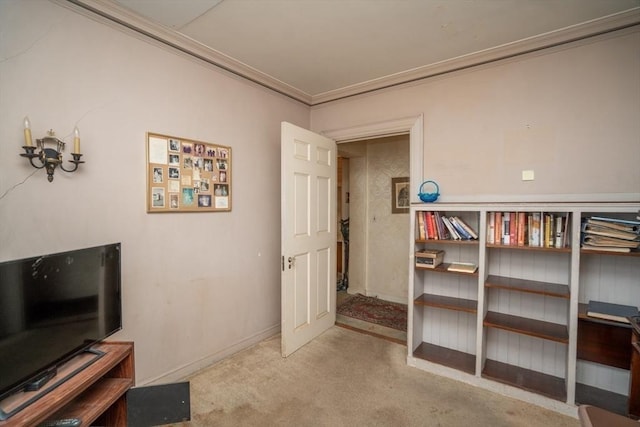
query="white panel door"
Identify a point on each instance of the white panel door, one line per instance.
(308, 235)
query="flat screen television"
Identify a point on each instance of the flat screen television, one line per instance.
(53, 307)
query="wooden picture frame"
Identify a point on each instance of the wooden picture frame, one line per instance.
(400, 198)
(185, 175)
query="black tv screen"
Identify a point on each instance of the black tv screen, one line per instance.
(54, 306)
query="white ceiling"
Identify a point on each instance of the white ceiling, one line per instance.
(320, 50)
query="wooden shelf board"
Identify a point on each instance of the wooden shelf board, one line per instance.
(582, 315)
(528, 286)
(442, 268)
(447, 357)
(449, 241)
(589, 395)
(537, 382)
(69, 385)
(528, 248)
(95, 400)
(449, 303)
(521, 325)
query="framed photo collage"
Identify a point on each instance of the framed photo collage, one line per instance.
(184, 175)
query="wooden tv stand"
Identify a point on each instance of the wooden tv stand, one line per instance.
(96, 392)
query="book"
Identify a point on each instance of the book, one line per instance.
(595, 240)
(429, 225)
(497, 239)
(608, 232)
(566, 229)
(466, 227)
(534, 232)
(513, 228)
(452, 231)
(443, 233)
(462, 267)
(559, 233)
(491, 227)
(464, 235)
(548, 230)
(622, 224)
(506, 227)
(609, 311)
(542, 221)
(605, 248)
(422, 232)
(521, 229)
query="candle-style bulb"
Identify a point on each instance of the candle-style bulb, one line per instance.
(76, 141)
(27, 132)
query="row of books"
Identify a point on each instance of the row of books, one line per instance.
(537, 229)
(434, 225)
(609, 234)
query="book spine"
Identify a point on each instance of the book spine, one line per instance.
(429, 225)
(452, 230)
(535, 229)
(460, 229)
(522, 219)
(565, 233)
(491, 227)
(559, 232)
(616, 220)
(498, 230)
(421, 229)
(513, 227)
(467, 227)
(506, 226)
(443, 234)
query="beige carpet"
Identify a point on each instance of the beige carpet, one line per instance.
(345, 378)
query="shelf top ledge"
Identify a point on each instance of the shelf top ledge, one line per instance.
(557, 206)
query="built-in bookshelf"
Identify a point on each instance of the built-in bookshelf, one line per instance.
(527, 300)
(517, 323)
(445, 301)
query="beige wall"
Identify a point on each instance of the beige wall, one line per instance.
(195, 286)
(571, 114)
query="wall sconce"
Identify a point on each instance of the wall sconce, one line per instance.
(49, 157)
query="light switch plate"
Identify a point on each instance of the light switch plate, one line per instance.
(527, 175)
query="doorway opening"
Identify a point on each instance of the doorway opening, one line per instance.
(372, 247)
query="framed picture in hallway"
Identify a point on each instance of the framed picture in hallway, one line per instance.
(400, 195)
(184, 175)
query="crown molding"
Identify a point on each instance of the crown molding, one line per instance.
(570, 34)
(117, 15)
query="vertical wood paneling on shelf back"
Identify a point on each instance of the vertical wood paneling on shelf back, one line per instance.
(520, 350)
(604, 377)
(545, 356)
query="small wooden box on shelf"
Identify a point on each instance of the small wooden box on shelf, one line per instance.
(429, 258)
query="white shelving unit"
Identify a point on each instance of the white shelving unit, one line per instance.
(512, 326)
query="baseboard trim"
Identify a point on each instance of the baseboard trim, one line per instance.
(184, 371)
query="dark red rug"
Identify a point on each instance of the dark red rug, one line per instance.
(374, 310)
